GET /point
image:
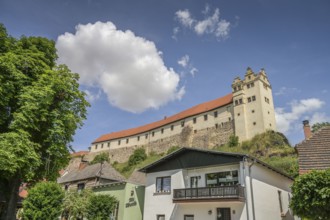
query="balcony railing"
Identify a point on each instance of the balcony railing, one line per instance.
(209, 193)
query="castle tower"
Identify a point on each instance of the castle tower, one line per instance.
(253, 105)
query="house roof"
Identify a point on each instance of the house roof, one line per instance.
(314, 153)
(204, 107)
(137, 177)
(188, 157)
(79, 153)
(105, 171)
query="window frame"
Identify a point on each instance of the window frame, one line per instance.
(162, 191)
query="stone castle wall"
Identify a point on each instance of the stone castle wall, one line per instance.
(205, 138)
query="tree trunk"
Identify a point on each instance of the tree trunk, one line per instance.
(10, 210)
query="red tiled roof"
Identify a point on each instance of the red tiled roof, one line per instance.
(204, 107)
(79, 153)
(314, 153)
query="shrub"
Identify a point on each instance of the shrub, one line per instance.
(100, 158)
(233, 141)
(101, 207)
(138, 156)
(172, 149)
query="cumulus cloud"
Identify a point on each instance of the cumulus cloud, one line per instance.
(127, 68)
(92, 96)
(187, 65)
(299, 110)
(211, 24)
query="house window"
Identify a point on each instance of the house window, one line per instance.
(153, 133)
(138, 138)
(80, 187)
(188, 217)
(226, 178)
(162, 130)
(96, 147)
(119, 142)
(215, 114)
(194, 182)
(66, 187)
(163, 184)
(101, 145)
(127, 140)
(223, 214)
(280, 200)
(160, 217)
(146, 136)
(194, 120)
(205, 117)
(182, 123)
(172, 127)
(108, 144)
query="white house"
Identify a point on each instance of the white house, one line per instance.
(192, 184)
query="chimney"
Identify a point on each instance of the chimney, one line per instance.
(307, 130)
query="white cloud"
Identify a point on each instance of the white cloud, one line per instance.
(176, 30)
(91, 96)
(284, 91)
(299, 110)
(184, 61)
(211, 24)
(126, 67)
(319, 117)
(187, 65)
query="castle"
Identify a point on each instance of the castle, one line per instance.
(245, 112)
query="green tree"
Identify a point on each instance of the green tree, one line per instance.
(311, 195)
(100, 158)
(101, 207)
(75, 203)
(41, 106)
(44, 201)
(318, 126)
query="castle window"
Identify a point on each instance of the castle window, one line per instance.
(249, 77)
(265, 86)
(252, 84)
(138, 138)
(266, 100)
(205, 117)
(215, 114)
(248, 86)
(240, 101)
(101, 145)
(172, 127)
(253, 98)
(235, 89)
(268, 112)
(146, 136)
(162, 130)
(252, 111)
(229, 119)
(127, 140)
(194, 120)
(153, 133)
(95, 146)
(238, 114)
(236, 102)
(249, 99)
(182, 123)
(270, 125)
(216, 126)
(195, 131)
(254, 123)
(118, 142)
(108, 144)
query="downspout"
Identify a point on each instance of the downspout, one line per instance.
(251, 189)
(245, 193)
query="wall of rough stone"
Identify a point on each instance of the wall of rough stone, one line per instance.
(205, 138)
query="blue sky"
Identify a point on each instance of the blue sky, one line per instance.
(142, 60)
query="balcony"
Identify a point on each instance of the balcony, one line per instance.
(208, 194)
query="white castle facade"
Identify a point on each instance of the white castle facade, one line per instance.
(245, 112)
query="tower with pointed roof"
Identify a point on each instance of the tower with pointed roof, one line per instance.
(253, 105)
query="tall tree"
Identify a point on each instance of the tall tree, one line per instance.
(41, 106)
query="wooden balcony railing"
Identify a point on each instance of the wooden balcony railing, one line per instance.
(209, 193)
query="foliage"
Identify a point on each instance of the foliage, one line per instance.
(100, 207)
(233, 141)
(318, 126)
(75, 203)
(100, 158)
(43, 201)
(138, 156)
(42, 105)
(271, 147)
(311, 195)
(172, 149)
